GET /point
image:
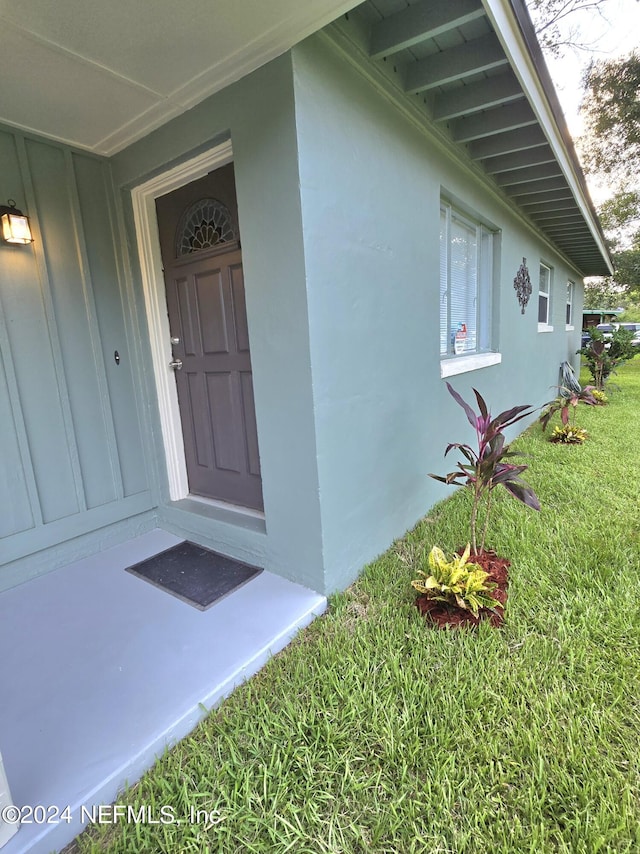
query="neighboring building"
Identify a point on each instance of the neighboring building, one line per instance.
(594, 316)
(339, 229)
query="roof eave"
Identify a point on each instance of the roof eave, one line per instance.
(514, 27)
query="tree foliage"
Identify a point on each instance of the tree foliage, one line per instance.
(611, 113)
(620, 218)
(602, 294)
(610, 146)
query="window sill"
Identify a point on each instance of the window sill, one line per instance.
(544, 327)
(462, 364)
(569, 327)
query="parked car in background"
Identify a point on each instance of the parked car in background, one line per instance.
(608, 329)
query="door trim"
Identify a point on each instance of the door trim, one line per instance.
(143, 198)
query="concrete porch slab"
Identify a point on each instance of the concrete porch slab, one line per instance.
(100, 671)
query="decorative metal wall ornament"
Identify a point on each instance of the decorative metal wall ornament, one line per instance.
(522, 285)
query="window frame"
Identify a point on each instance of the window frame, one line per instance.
(485, 246)
(571, 292)
(545, 325)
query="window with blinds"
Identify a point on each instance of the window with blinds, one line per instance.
(466, 262)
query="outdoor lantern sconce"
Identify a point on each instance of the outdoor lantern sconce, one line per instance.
(522, 285)
(15, 224)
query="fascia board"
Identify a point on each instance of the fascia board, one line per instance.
(507, 28)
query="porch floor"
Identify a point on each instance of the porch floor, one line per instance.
(100, 671)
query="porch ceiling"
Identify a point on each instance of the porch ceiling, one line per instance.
(474, 67)
(100, 75)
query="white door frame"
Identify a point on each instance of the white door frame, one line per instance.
(144, 211)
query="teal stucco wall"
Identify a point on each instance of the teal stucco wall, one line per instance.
(370, 184)
(258, 115)
(72, 461)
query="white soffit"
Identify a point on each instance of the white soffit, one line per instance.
(102, 75)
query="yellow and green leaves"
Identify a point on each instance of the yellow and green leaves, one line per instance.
(568, 434)
(456, 582)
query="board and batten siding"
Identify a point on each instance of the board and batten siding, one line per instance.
(72, 461)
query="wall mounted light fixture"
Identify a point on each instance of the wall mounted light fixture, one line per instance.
(15, 224)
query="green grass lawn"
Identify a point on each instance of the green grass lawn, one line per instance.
(373, 733)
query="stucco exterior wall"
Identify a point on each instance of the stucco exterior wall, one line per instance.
(370, 186)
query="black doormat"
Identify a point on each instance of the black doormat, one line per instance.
(197, 576)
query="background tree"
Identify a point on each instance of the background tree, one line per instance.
(620, 218)
(603, 293)
(610, 147)
(611, 113)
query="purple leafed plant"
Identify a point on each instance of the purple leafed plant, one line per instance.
(486, 467)
(568, 397)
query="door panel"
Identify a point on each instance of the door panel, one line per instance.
(223, 412)
(242, 333)
(185, 306)
(211, 312)
(197, 432)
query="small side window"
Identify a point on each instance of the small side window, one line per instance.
(544, 299)
(569, 315)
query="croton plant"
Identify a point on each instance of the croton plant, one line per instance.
(458, 582)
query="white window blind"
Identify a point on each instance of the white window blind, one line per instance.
(465, 284)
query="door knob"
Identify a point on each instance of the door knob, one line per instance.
(176, 364)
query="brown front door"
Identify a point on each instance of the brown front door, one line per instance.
(208, 322)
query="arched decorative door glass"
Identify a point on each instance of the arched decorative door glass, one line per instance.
(204, 224)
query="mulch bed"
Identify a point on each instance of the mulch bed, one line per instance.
(445, 616)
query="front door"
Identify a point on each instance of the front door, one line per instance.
(210, 342)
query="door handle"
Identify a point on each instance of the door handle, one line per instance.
(176, 364)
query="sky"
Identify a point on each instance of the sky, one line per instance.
(611, 33)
